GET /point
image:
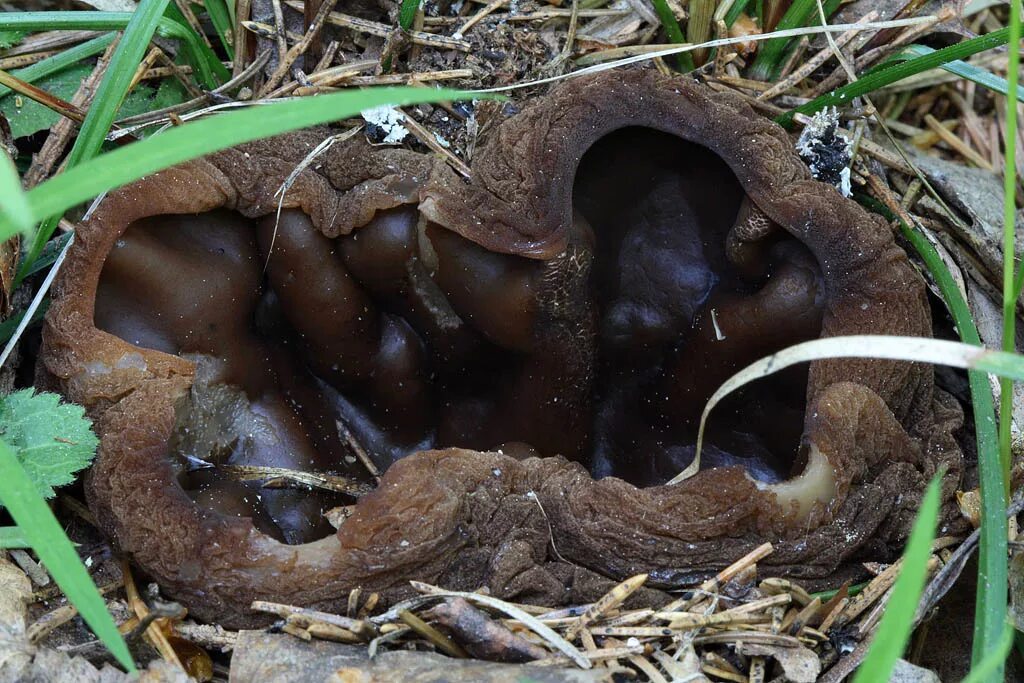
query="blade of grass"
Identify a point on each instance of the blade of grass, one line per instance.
(684, 61)
(192, 140)
(221, 21)
(407, 13)
(898, 621)
(990, 608)
(107, 101)
(33, 516)
(50, 253)
(978, 75)
(209, 71)
(8, 327)
(12, 537)
(62, 60)
(990, 667)
(883, 77)
(829, 594)
(1009, 233)
(771, 12)
(918, 349)
(13, 202)
(1009, 269)
(735, 10)
(772, 54)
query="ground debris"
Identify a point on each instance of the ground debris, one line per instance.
(263, 656)
(731, 627)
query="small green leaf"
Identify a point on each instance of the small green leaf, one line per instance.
(27, 116)
(53, 440)
(773, 53)
(208, 68)
(11, 38)
(61, 60)
(221, 18)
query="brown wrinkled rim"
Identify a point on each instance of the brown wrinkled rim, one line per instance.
(858, 410)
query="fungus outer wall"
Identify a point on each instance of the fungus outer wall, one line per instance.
(542, 307)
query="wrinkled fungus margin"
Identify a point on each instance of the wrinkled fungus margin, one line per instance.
(533, 529)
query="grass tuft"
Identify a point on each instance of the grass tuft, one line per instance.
(881, 77)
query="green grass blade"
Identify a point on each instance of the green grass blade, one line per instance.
(1018, 282)
(883, 77)
(991, 598)
(407, 13)
(118, 76)
(222, 24)
(13, 202)
(980, 649)
(772, 54)
(41, 529)
(982, 77)
(991, 601)
(62, 60)
(674, 32)
(735, 11)
(208, 69)
(8, 326)
(853, 590)
(894, 629)
(989, 668)
(107, 101)
(123, 165)
(12, 537)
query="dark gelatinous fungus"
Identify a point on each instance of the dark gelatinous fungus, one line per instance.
(624, 244)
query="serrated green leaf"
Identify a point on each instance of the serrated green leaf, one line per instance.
(53, 440)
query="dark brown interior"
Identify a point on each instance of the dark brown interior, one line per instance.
(415, 340)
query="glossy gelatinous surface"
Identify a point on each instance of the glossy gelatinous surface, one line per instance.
(624, 244)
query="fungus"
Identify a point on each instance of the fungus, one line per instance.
(525, 354)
